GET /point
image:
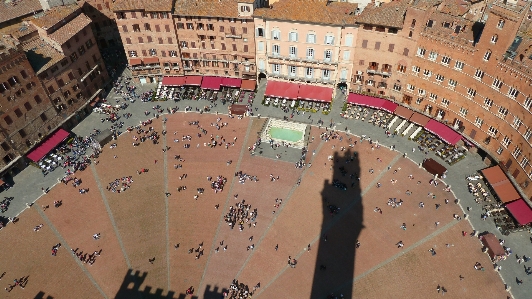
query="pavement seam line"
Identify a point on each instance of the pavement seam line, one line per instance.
(111, 217)
(229, 194)
(333, 222)
(165, 170)
(69, 250)
(287, 199)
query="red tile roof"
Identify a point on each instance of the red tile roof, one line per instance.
(13, 9)
(54, 15)
(207, 8)
(41, 55)
(387, 14)
(310, 11)
(68, 30)
(146, 5)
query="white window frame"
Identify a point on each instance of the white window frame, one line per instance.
(309, 72)
(415, 69)
(276, 68)
(527, 103)
(516, 124)
(493, 131)
(427, 73)
(433, 56)
(527, 134)
(445, 102)
(445, 60)
(497, 84)
(502, 112)
(133, 54)
(276, 34)
(452, 84)
(500, 24)
(292, 70)
(513, 93)
(478, 122)
(326, 74)
(488, 103)
(471, 93)
(487, 55)
(329, 39)
(311, 38)
(463, 111)
(292, 36)
(516, 152)
(479, 74)
(439, 78)
(494, 39)
(421, 92)
(276, 50)
(421, 52)
(410, 88)
(310, 53)
(459, 65)
(505, 142)
(433, 97)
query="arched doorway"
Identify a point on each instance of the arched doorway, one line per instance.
(262, 76)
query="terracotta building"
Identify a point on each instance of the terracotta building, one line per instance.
(312, 42)
(103, 23)
(26, 113)
(217, 37)
(64, 55)
(149, 38)
(12, 12)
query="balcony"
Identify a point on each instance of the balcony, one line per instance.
(187, 68)
(375, 71)
(233, 35)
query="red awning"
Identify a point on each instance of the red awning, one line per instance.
(231, 82)
(447, 134)
(238, 109)
(248, 85)
(358, 99)
(282, 90)
(419, 119)
(521, 211)
(193, 80)
(44, 148)
(504, 189)
(173, 81)
(315, 93)
(211, 83)
(135, 61)
(389, 106)
(151, 60)
(403, 112)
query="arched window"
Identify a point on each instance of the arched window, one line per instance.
(413, 23)
(487, 55)
(494, 39)
(500, 24)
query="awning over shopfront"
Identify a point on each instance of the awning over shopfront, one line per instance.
(213, 83)
(446, 134)
(521, 211)
(403, 112)
(315, 93)
(358, 99)
(434, 167)
(493, 245)
(389, 106)
(238, 109)
(248, 85)
(135, 61)
(419, 119)
(231, 82)
(193, 80)
(500, 183)
(282, 90)
(44, 148)
(173, 81)
(151, 60)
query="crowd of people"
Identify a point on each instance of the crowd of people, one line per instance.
(120, 185)
(241, 215)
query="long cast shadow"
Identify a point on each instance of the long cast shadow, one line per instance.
(342, 205)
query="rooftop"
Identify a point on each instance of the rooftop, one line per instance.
(208, 8)
(310, 11)
(455, 7)
(54, 15)
(6, 45)
(158, 5)
(66, 32)
(454, 28)
(19, 30)
(12, 9)
(387, 14)
(40, 54)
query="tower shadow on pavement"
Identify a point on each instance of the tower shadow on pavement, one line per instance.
(342, 224)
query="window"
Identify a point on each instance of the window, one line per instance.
(494, 39)
(452, 84)
(420, 52)
(479, 74)
(180, 26)
(517, 123)
(167, 27)
(392, 30)
(513, 93)
(18, 113)
(23, 74)
(459, 65)
(190, 26)
(527, 134)
(260, 32)
(528, 103)
(463, 112)
(419, 101)
(497, 84)
(401, 68)
(73, 57)
(310, 53)
(433, 97)
(397, 87)
(173, 53)
(326, 74)
(377, 45)
(415, 69)
(260, 46)
(37, 99)
(500, 24)
(328, 55)
(445, 60)
(292, 70)
(161, 40)
(128, 40)
(410, 87)
(506, 141)
(406, 51)
(502, 112)
(445, 102)
(390, 47)
(524, 162)
(488, 103)
(499, 150)
(329, 40)
(471, 92)
(478, 121)
(347, 54)
(427, 73)
(492, 131)
(141, 40)
(487, 55)
(439, 78)
(311, 38)
(234, 48)
(22, 133)
(276, 34)
(292, 36)
(309, 72)
(43, 117)
(276, 68)
(153, 52)
(517, 152)
(433, 55)
(276, 49)
(421, 92)
(349, 40)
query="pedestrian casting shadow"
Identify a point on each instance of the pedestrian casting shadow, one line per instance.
(342, 223)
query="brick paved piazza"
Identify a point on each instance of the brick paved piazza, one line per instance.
(142, 223)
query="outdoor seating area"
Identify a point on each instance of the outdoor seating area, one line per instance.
(293, 96)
